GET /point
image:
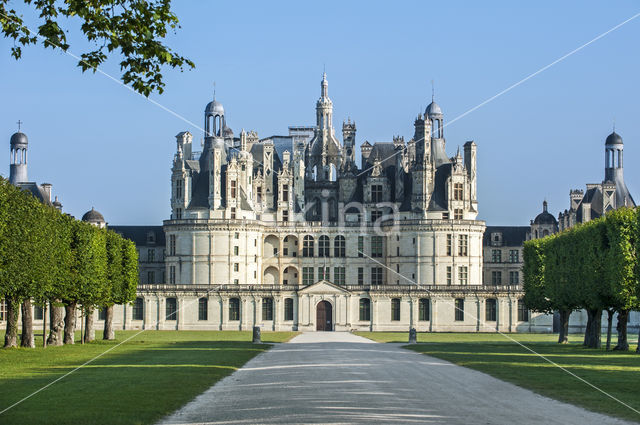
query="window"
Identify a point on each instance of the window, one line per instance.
(236, 235)
(178, 213)
(339, 247)
(138, 309)
(449, 244)
(376, 193)
(375, 215)
(267, 309)
(234, 309)
(449, 275)
(172, 245)
(236, 281)
(360, 246)
(459, 306)
(514, 278)
(457, 192)
(38, 313)
(236, 267)
(285, 216)
(376, 246)
(236, 250)
(288, 309)
(445, 215)
(307, 246)
(463, 245)
(457, 214)
(233, 213)
(172, 275)
(360, 275)
(323, 273)
(496, 256)
(376, 275)
(259, 194)
(323, 246)
(234, 189)
(102, 313)
(151, 255)
(151, 238)
(365, 309)
(179, 189)
(513, 256)
(3, 310)
(338, 275)
(395, 309)
(490, 310)
(285, 193)
(203, 309)
(307, 275)
(170, 309)
(151, 277)
(523, 312)
(463, 275)
(423, 309)
(496, 278)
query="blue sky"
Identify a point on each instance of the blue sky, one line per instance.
(101, 145)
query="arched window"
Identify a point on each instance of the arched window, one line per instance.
(138, 309)
(171, 308)
(307, 246)
(365, 309)
(267, 309)
(288, 309)
(323, 246)
(234, 309)
(339, 247)
(423, 309)
(203, 309)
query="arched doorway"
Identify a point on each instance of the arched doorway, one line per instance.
(324, 316)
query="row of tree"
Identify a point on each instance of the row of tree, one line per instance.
(48, 258)
(592, 266)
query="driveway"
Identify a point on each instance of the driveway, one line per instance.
(337, 377)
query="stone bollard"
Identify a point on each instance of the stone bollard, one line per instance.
(413, 337)
(256, 335)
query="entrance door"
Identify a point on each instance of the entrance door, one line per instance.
(324, 316)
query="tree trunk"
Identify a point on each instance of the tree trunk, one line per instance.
(57, 324)
(108, 324)
(44, 325)
(609, 324)
(563, 335)
(594, 332)
(587, 329)
(11, 335)
(621, 327)
(27, 325)
(70, 323)
(89, 331)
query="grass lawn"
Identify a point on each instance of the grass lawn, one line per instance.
(615, 373)
(140, 381)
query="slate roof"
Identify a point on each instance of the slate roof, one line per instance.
(36, 190)
(139, 234)
(511, 235)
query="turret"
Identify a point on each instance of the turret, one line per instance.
(614, 171)
(18, 161)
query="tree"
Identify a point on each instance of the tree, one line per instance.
(132, 29)
(94, 287)
(115, 280)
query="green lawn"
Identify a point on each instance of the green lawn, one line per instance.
(613, 372)
(140, 381)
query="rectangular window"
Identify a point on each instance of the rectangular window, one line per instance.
(236, 250)
(376, 275)
(38, 313)
(151, 277)
(496, 256)
(236, 235)
(514, 278)
(285, 216)
(234, 309)
(395, 309)
(523, 312)
(463, 245)
(267, 309)
(365, 309)
(172, 245)
(3, 310)
(449, 244)
(171, 309)
(323, 273)
(236, 267)
(449, 275)
(307, 276)
(178, 213)
(102, 313)
(288, 309)
(445, 215)
(285, 193)
(138, 309)
(360, 246)
(179, 189)
(360, 275)
(513, 256)
(339, 275)
(375, 215)
(490, 310)
(496, 278)
(234, 189)
(233, 213)
(463, 275)
(151, 255)
(376, 246)
(259, 194)
(423, 309)
(457, 192)
(459, 306)
(203, 309)
(376, 193)
(172, 275)
(457, 214)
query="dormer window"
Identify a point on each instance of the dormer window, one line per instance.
(496, 239)
(151, 238)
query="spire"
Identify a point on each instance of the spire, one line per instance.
(325, 86)
(544, 206)
(214, 90)
(433, 91)
(20, 124)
